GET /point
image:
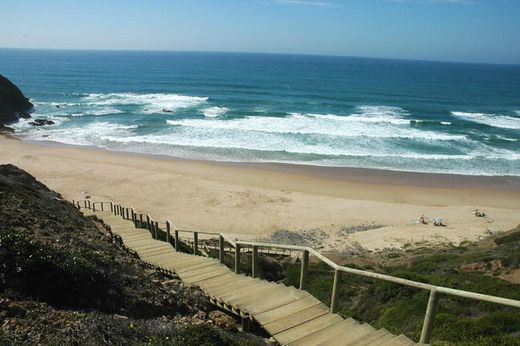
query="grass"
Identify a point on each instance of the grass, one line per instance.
(401, 309)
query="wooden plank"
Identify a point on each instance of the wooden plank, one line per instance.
(281, 300)
(245, 299)
(194, 279)
(286, 310)
(382, 341)
(346, 337)
(339, 332)
(154, 251)
(312, 326)
(150, 255)
(400, 340)
(199, 271)
(234, 292)
(196, 266)
(378, 334)
(294, 320)
(232, 287)
(216, 285)
(287, 297)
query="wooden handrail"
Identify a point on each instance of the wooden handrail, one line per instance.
(306, 251)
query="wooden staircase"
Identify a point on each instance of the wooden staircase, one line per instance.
(291, 316)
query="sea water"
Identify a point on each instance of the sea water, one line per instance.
(316, 110)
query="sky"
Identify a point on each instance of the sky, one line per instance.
(445, 30)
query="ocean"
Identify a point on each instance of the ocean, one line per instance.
(315, 110)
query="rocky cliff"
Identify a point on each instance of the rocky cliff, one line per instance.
(13, 103)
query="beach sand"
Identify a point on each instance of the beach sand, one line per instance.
(349, 208)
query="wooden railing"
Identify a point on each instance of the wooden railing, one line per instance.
(143, 220)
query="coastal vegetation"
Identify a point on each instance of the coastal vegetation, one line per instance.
(65, 280)
(491, 266)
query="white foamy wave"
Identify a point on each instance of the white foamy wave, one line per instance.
(150, 103)
(94, 134)
(502, 121)
(365, 114)
(213, 112)
(325, 125)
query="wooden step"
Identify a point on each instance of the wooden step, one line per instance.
(339, 332)
(286, 310)
(296, 319)
(356, 333)
(302, 330)
(378, 334)
(399, 340)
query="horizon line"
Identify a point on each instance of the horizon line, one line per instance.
(259, 53)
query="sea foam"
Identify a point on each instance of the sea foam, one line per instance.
(149, 103)
(494, 120)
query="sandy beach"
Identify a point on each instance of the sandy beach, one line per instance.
(342, 208)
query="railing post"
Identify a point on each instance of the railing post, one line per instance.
(221, 249)
(429, 317)
(102, 209)
(195, 243)
(254, 262)
(85, 204)
(116, 209)
(140, 220)
(156, 230)
(94, 206)
(177, 241)
(111, 207)
(303, 272)
(237, 258)
(335, 291)
(168, 232)
(148, 222)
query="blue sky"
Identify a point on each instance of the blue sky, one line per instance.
(450, 30)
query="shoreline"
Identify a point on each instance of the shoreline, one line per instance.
(344, 208)
(505, 183)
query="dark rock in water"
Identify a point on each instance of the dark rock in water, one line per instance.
(41, 122)
(5, 129)
(13, 103)
(167, 110)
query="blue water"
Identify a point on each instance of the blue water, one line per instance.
(333, 111)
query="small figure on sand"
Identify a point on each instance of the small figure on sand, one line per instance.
(478, 213)
(423, 220)
(438, 222)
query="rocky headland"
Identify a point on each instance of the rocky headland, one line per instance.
(13, 103)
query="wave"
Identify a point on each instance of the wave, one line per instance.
(213, 112)
(316, 124)
(494, 120)
(94, 134)
(150, 103)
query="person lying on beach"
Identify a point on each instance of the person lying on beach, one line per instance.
(423, 220)
(478, 213)
(438, 222)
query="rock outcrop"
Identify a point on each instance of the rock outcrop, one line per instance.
(13, 103)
